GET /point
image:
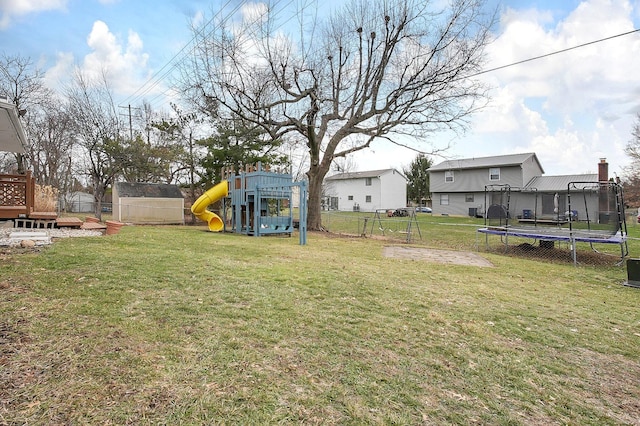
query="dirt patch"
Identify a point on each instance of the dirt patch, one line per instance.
(437, 256)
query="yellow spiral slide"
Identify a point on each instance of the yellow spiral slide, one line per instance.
(199, 208)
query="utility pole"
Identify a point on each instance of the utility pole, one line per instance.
(130, 125)
(130, 119)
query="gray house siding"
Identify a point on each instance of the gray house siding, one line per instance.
(467, 183)
(541, 204)
(530, 169)
(471, 176)
(459, 203)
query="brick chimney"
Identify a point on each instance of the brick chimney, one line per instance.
(603, 170)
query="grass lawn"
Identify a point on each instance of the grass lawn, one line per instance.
(175, 325)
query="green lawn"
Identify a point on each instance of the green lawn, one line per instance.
(175, 325)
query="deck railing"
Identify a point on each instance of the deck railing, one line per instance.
(17, 195)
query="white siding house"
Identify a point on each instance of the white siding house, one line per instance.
(366, 191)
(12, 136)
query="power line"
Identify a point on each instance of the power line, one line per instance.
(150, 84)
(159, 76)
(172, 63)
(546, 55)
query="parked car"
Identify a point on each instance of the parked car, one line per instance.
(424, 209)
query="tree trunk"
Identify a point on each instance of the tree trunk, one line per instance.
(98, 193)
(316, 176)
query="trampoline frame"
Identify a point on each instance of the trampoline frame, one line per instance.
(571, 235)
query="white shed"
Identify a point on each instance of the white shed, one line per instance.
(366, 191)
(148, 203)
(79, 202)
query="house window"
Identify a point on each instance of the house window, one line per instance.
(468, 198)
(367, 199)
(367, 181)
(444, 199)
(350, 198)
(494, 173)
(448, 176)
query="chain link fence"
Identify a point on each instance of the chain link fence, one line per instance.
(462, 234)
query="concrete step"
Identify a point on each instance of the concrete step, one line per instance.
(40, 237)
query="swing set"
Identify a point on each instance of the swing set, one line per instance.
(400, 221)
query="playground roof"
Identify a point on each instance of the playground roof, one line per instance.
(12, 136)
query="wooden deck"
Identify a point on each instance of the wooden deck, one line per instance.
(68, 222)
(94, 226)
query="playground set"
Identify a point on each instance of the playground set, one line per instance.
(589, 213)
(255, 201)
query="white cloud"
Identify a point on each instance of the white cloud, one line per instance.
(10, 9)
(254, 12)
(124, 65)
(571, 108)
(58, 74)
(123, 62)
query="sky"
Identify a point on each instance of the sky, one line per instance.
(571, 109)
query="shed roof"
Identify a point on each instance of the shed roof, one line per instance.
(362, 175)
(485, 162)
(558, 183)
(150, 190)
(12, 136)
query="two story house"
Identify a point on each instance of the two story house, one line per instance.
(458, 186)
(470, 186)
(366, 191)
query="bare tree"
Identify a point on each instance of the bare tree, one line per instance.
(98, 132)
(22, 83)
(378, 69)
(633, 146)
(51, 135)
(632, 172)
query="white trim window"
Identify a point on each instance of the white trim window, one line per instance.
(494, 173)
(448, 176)
(444, 199)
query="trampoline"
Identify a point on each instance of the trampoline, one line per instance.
(573, 224)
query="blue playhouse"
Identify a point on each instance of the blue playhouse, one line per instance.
(257, 201)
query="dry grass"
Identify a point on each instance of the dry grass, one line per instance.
(174, 325)
(46, 198)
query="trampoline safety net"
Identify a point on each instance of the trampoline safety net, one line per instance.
(584, 223)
